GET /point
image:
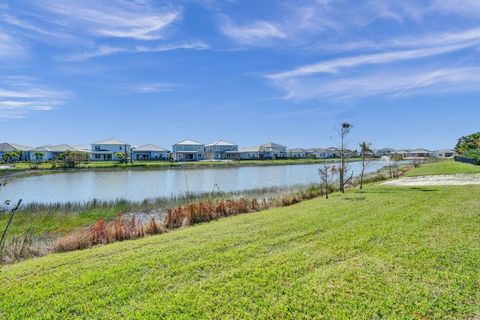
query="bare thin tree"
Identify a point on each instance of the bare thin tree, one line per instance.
(365, 153)
(344, 153)
(327, 174)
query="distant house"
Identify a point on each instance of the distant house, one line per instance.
(320, 153)
(413, 154)
(13, 147)
(107, 150)
(221, 150)
(251, 153)
(273, 150)
(49, 152)
(42, 153)
(188, 150)
(383, 152)
(297, 153)
(445, 154)
(150, 152)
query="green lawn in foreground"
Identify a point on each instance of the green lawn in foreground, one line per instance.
(443, 167)
(384, 252)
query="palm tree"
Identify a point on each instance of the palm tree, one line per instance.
(365, 150)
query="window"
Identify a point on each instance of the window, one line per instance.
(97, 148)
(97, 156)
(120, 148)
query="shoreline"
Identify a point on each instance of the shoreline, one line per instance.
(153, 166)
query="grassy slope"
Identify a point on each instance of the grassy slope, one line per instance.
(384, 252)
(443, 167)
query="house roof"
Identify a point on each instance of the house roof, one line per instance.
(7, 147)
(189, 142)
(221, 143)
(150, 147)
(61, 148)
(110, 141)
(250, 149)
(272, 145)
(296, 150)
(318, 150)
(420, 151)
(445, 150)
(40, 149)
(81, 148)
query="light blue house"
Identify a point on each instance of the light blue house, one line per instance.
(13, 147)
(221, 150)
(188, 150)
(49, 152)
(320, 153)
(150, 152)
(107, 150)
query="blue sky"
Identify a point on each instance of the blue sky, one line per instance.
(405, 73)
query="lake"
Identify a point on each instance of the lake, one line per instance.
(137, 185)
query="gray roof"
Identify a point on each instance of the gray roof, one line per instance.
(446, 150)
(111, 141)
(150, 147)
(221, 143)
(7, 147)
(62, 148)
(272, 145)
(319, 150)
(189, 142)
(420, 151)
(40, 149)
(250, 149)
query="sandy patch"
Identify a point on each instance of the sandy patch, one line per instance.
(436, 180)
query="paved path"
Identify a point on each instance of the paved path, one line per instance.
(437, 180)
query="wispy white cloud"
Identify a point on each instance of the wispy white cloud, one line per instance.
(255, 33)
(10, 47)
(155, 87)
(118, 19)
(336, 65)
(20, 95)
(106, 50)
(393, 83)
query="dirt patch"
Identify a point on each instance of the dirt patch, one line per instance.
(437, 180)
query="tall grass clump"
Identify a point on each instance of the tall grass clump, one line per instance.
(102, 232)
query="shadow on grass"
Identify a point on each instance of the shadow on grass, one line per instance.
(354, 198)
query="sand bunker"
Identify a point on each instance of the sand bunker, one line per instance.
(437, 180)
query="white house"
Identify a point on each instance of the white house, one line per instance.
(150, 152)
(413, 154)
(383, 152)
(12, 147)
(188, 150)
(297, 153)
(273, 150)
(220, 150)
(251, 153)
(107, 150)
(320, 153)
(445, 154)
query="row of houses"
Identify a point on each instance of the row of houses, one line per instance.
(191, 150)
(416, 153)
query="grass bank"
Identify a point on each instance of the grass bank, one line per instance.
(383, 252)
(23, 168)
(443, 167)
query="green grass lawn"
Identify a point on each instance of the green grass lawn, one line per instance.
(443, 167)
(384, 252)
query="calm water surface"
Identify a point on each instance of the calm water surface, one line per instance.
(138, 185)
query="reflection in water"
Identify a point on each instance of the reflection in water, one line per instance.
(139, 185)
